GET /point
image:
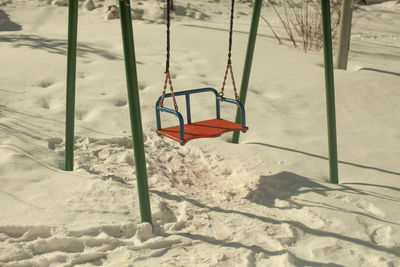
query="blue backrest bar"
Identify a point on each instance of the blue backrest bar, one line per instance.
(187, 93)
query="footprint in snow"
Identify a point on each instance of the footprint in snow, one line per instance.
(80, 114)
(44, 103)
(120, 102)
(44, 83)
(379, 234)
(360, 203)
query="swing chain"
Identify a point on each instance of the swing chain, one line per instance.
(231, 32)
(229, 65)
(221, 93)
(168, 36)
(168, 80)
(167, 73)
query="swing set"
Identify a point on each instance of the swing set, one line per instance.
(185, 132)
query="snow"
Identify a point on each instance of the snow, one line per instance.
(264, 202)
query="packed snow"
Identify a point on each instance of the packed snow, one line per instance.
(264, 202)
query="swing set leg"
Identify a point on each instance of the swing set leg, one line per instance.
(134, 110)
(247, 63)
(70, 94)
(330, 92)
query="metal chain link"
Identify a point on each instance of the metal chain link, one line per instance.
(168, 36)
(229, 65)
(171, 88)
(233, 83)
(167, 74)
(221, 93)
(231, 32)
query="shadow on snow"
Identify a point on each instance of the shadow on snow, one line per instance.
(57, 46)
(6, 24)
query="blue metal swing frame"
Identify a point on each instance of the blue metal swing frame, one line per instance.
(187, 94)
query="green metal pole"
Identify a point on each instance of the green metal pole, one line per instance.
(71, 73)
(134, 110)
(247, 63)
(330, 91)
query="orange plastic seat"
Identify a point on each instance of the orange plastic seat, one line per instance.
(202, 129)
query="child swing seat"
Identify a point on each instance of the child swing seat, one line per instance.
(202, 129)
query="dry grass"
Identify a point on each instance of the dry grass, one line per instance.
(302, 22)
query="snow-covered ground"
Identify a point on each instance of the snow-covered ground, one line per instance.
(264, 202)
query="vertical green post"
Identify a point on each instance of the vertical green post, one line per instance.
(247, 63)
(330, 91)
(134, 110)
(70, 95)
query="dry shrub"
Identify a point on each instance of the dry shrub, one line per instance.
(303, 23)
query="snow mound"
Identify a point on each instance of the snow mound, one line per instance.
(168, 164)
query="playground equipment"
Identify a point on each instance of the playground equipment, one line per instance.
(203, 129)
(134, 103)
